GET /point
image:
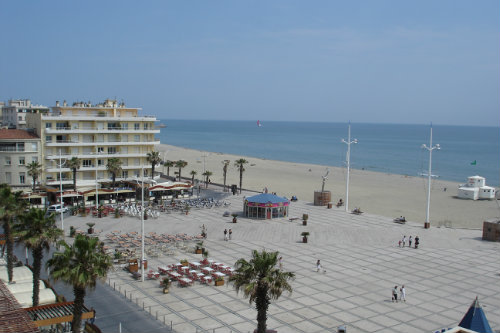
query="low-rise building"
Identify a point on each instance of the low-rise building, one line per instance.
(18, 148)
(14, 113)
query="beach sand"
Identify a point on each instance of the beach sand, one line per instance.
(377, 193)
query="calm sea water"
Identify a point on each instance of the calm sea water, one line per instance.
(388, 148)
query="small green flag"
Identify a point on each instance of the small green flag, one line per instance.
(473, 162)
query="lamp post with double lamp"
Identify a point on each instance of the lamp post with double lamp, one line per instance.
(60, 190)
(142, 227)
(430, 148)
(348, 157)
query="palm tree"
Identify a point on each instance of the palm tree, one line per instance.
(207, 175)
(74, 165)
(12, 205)
(240, 165)
(225, 165)
(37, 231)
(155, 159)
(262, 281)
(80, 265)
(168, 164)
(193, 173)
(180, 164)
(34, 170)
(115, 167)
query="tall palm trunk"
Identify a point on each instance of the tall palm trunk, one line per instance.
(34, 182)
(261, 304)
(77, 312)
(10, 249)
(152, 170)
(180, 174)
(37, 253)
(74, 180)
(241, 179)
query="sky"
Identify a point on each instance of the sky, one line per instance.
(372, 61)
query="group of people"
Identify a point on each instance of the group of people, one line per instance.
(228, 234)
(402, 294)
(402, 242)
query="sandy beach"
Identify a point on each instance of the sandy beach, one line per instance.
(376, 193)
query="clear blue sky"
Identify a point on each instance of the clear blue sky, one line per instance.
(368, 61)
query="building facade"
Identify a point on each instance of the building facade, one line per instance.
(14, 113)
(94, 134)
(18, 148)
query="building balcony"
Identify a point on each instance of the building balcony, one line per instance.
(94, 155)
(59, 117)
(69, 143)
(88, 130)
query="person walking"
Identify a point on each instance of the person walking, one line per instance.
(92, 320)
(404, 240)
(410, 239)
(417, 242)
(319, 267)
(280, 262)
(395, 294)
(225, 234)
(402, 293)
(230, 234)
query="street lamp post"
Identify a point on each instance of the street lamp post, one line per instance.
(61, 191)
(142, 227)
(348, 142)
(430, 148)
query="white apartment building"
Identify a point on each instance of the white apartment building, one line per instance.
(94, 134)
(18, 148)
(14, 113)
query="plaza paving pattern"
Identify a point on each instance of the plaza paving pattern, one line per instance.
(362, 261)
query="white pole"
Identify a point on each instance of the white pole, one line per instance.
(429, 177)
(348, 142)
(61, 191)
(142, 227)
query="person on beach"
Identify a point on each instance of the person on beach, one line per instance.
(230, 234)
(395, 294)
(402, 293)
(225, 234)
(417, 241)
(410, 239)
(404, 240)
(399, 243)
(318, 266)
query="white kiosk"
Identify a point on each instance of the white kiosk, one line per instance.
(476, 189)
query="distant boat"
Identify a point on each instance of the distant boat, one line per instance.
(259, 124)
(162, 126)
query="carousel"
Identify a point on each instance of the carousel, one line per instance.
(266, 206)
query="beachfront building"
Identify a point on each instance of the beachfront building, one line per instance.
(15, 111)
(94, 134)
(266, 206)
(18, 148)
(476, 189)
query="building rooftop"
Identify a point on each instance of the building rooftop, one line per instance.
(17, 134)
(12, 317)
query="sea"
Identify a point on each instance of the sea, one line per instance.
(389, 148)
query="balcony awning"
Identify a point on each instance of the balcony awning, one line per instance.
(51, 314)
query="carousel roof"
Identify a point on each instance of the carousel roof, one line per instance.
(266, 198)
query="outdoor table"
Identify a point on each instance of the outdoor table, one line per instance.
(184, 282)
(224, 268)
(218, 274)
(206, 279)
(185, 269)
(229, 271)
(174, 275)
(163, 269)
(215, 264)
(195, 264)
(207, 270)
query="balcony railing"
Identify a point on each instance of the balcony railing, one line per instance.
(12, 149)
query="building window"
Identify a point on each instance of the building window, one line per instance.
(125, 174)
(22, 178)
(87, 163)
(125, 126)
(34, 158)
(7, 160)
(137, 138)
(145, 126)
(34, 146)
(20, 118)
(100, 162)
(22, 161)
(137, 126)
(111, 150)
(100, 150)
(8, 177)
(48, 125)
(48, 138)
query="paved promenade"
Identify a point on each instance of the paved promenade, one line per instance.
(362, 261)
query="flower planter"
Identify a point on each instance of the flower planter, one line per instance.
(90, 231)
(304, 239)
(219, 283)
(304, 222)
(235, 220)
(165, 290)
(199, 251)
(184, 263)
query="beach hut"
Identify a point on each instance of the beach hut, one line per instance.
(266, 206)
(476, 189)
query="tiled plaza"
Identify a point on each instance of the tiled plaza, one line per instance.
(362, 261)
